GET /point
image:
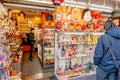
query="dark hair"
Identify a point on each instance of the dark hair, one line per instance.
(109, 24)
(85, 10)
(32, 29)
(109, 18)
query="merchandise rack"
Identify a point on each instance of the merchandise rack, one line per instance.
(46, 47)
(16, 57)
(85, 42)
(5, 62)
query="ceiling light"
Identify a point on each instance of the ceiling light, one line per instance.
(40, 1)
(27, 6)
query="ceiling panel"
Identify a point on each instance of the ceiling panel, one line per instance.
(109, 3)
(97, 2)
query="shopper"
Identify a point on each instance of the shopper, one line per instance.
(106, 68)
(31, 42)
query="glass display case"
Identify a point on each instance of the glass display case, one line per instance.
(39, 37)
(74, 54)
(46, 47)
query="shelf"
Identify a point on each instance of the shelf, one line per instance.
(49, 48)
(81, 32)
(48, 66)
(48, 55)
(97, 33)
(76, 77)
(76, 43)
(75, 56)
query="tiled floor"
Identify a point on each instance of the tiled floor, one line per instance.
(32, 70)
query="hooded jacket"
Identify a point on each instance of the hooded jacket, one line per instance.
(102, 56)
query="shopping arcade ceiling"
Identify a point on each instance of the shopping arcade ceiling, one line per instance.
(110, 5)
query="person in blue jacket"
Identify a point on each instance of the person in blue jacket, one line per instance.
(106, 69)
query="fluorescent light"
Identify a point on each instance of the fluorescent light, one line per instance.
(27, 6)
(64, 4)
(40, 1)
(93, 5)
(101, 9)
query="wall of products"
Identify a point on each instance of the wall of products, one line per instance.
(10, 51)
(77, 33)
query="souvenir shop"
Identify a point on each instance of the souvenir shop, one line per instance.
(66, 33)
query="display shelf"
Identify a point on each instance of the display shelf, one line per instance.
(46, 47)
(74, 54)
(48, 66)
(90, 76)
(49, 55)
(80, 32)
(81, 43)
(49, 48)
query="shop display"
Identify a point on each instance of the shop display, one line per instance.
(10, 58)
(75, 19)
(5, 62)
(10, 51)
(77, 33)
(74, 53)
(46, 47)
(17, 52)
(39, 36)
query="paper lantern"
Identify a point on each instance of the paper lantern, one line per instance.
(61, 1)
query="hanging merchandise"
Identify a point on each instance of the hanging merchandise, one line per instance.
(10, 55)
(4, 54)
(69, 18)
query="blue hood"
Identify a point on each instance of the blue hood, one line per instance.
(114, 32)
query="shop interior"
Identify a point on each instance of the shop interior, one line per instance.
(66, 34)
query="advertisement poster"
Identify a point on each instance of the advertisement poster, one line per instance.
(48, 20)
